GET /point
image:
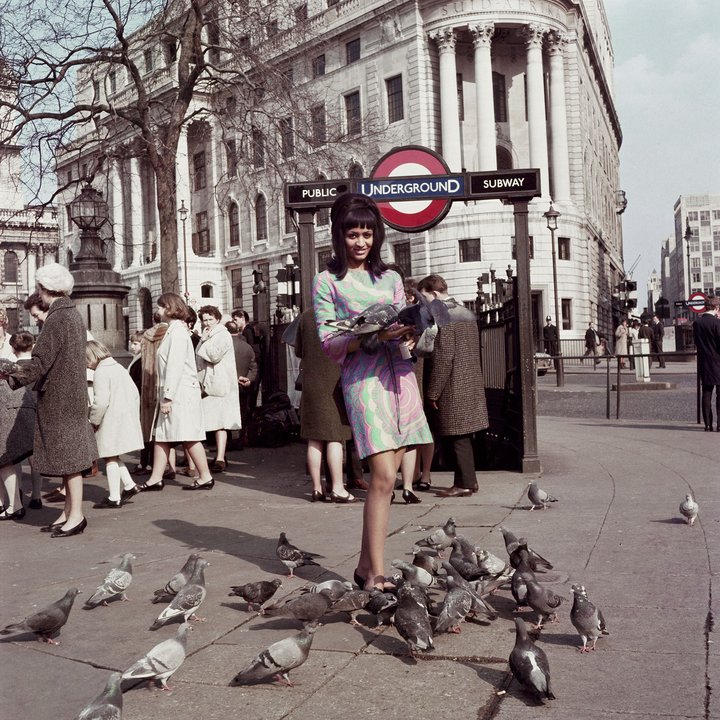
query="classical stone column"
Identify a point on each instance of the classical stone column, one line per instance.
(537, 126)
(31, 255)
(214, 173)
(558, 118)
(137, 231)
(182, 184)
(482, 38)
(117, 212)
(449, 115)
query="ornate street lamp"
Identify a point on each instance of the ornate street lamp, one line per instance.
(688, 238)
(183, 213)
(90, 212)
(551, 216)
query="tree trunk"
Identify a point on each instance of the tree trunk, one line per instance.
(167, 212)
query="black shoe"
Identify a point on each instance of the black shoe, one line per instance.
(410, 498)
(108, 503)
(17, 515)
(125, 495)
(35, 504)
(52, 527)
(155, 486)
(200, 486)
(318, 496)
(77, 530)
(343, 499)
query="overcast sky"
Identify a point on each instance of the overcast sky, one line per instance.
(667, 87)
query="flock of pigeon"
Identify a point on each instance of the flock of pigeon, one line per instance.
(469, 577)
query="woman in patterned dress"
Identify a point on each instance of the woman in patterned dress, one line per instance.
(378, 385)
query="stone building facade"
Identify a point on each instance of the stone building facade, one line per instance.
(489, 84)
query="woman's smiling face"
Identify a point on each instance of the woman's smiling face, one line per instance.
(358, 242)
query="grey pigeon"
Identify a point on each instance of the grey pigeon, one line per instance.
(518, 583)
(162, 661)
(352, 602)
(173, 585)
(538, 497)
(543, 601)
(107, 705)
(116, 582)
(511, 541)
(469, 569)
(306, 608)
(275, 662)
(427, 561)
(586, 618)
(188, 599)
(382, 605)
(414, 574)
(337, 588)
(466, 548)
(689, 509)
(455, 608)
(256, 593)
(490, 564)
(46, 622)
(534, 559)
(292, 557)
(529, 664)
(412, 621)
(480, 605)
(440, 538)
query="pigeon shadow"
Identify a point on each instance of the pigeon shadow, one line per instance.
(492, 676)
(240, 607)
(278, 623)
(564, 639)
(25, 636)
(671, 521)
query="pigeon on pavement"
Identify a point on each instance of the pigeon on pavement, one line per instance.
(188, 599)
(455, 608)
(538, 497)
(382, 605)
(292, 557)
(412, 621)
(46, 622)
(107, 705)
(543, 601)
(171, 589)
(534, 559)
(479, 606)
(337, 588)
(491, 564)
(469, 569)
(306, 608)
(689, 509)
(586, 618)
(414, 574)
(275, 662)
(511, 541)
(428, 561)
(162, 661)
(352, 602)
(116, 582)
(256, 593)
(440, 538)
(529, 664)
(518, 583)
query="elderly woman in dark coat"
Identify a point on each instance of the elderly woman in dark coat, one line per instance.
(64, 442)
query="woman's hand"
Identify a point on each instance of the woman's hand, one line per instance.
(165, 406)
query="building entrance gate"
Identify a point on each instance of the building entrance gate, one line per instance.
(414, 194)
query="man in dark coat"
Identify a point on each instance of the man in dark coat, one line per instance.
(247, 370)
(550, 336)
(706, 334)
(657, 340)
(455, 386)
(592, 342)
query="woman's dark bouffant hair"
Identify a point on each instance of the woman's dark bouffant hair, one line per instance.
(349, 211)
(210, 310)
(175, 308)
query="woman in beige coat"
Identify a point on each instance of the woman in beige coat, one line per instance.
(115, 416)
(219, 381)
(179, 410)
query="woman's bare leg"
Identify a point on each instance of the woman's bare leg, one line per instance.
(161, 453)
(334, 450)
(72, 514)
(314, 463)
(220, 444)
(196, 450)
(407, 468)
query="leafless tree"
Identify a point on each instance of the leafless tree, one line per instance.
(60, 61)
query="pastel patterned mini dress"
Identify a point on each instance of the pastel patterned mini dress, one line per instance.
(380, 390)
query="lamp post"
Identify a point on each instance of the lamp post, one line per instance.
(183, 213)
(688, 238)
(291, 281)
(551, 216)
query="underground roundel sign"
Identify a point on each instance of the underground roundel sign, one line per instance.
(408, 164)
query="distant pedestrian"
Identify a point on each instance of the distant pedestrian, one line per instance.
(658, 331)
(706, 334)
(550, 337)
(247, 373)
(5, 348)
(633, 337)
(621, 342)
(592, 343)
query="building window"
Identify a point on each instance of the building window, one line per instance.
(112, 78)
(234, 220)
(532, 247)
(323, 258)
(170, 49)
(566, 312)
(231, 157)
(236, 287)
(287, 137)
(563, 248)
(704, 217)
(352, 113)
(318, 65)
(499, 97)
(330, 3)
(289, 221)
(206, 290)
(272, 28)
(10, 270)
(202, 234)
(261, 230)
(403, 259)
(707, 261)
(692, 215)
(317, 122)
(199, 174)
(460, 97)
(356, 171)
(470, 250)
(148, 57)
(301, 13)
(394, 89)
(352, 51)
(695, 262)
(258, 142)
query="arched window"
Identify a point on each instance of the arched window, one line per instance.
(504, 158)
(234, 219)
(10, 272)
(206, 290)
(261, 229)
(356, 171)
